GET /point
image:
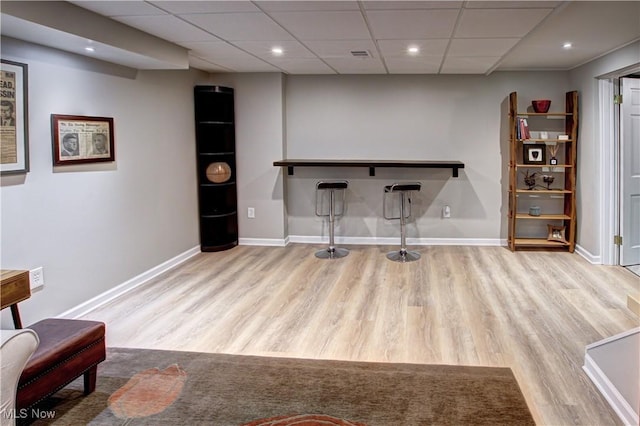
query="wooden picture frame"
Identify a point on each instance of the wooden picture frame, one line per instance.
(79, 139)
(556, 233)
(14, 128)
(534, 153)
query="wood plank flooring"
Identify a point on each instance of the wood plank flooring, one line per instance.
(531, 311)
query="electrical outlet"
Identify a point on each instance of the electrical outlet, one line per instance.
(36, 278)
(251, 213)
(446, 212)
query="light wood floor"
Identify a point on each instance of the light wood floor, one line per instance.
(531, 311)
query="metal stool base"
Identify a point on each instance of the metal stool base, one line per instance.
(335, 253)
(403, 256)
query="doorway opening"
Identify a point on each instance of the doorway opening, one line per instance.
(620, 165)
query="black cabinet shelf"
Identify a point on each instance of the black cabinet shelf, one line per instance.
(217, 153)
(214, 185)
(209, 216)
(215, 147)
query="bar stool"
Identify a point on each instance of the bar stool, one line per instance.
(404, 190)
(331, 252)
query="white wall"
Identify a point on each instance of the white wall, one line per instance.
(260, 140)
(407, 117)
(93, 227)
(585, 79)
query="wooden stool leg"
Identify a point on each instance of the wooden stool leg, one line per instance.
(90, 377)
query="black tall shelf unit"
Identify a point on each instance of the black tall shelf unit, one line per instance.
(216, 151)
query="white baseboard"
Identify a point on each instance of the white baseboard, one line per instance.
(314, 239)
(591, 258)
(129, 285)
(275, 242)
(609, 391)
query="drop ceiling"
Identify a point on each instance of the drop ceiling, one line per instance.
(320, 37)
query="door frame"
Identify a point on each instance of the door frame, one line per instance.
(608, 86)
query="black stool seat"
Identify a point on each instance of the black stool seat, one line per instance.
(404, 192)
(332, 186)
(402, 187)
(339, 184)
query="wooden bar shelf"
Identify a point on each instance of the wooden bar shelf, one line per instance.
(539, 242)
(543, 191)
(371, 164)
(543, 216)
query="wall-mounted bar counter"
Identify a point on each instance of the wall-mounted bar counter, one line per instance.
(371, 164)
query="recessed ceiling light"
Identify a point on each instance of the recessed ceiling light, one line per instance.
(567, 45)
(89, 49)
(277, 51)
(413, 50)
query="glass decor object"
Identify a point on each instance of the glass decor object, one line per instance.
(218, 172)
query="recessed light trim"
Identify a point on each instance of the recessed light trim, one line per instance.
(413, 50)
(567, 45)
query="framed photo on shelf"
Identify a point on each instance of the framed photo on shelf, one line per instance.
(78, 139)
(14, 129)
(534, 153)
(556, 233)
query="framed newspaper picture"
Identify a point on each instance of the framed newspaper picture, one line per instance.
(14, 131)
(78, 139)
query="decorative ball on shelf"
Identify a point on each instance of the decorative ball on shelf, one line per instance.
(218, 172)
(541, 105)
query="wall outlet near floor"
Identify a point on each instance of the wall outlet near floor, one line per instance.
(36, 278)
(446, 212)
(251, 213)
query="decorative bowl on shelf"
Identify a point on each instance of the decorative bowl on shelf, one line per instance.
(541, 105)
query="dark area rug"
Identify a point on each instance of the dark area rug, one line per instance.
(150, 387)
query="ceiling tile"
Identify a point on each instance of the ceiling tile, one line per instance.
(302, 66)
(481, 46)
(323, 25)
(583, 23)
(468, 65)
(245, 64)
(512, 4)
(498, 22)
(416, 24)
(167, 27)
(291, 49)
(413, 65)
(398, 48)
(302, 6)
(341, 48)
(357, 65)
(411, 5)
(120, 8)
(214, 49)
(188, 7)
(204, 65)
(239, 26)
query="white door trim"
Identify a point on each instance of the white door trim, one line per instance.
(609, 182)
(610, 166)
